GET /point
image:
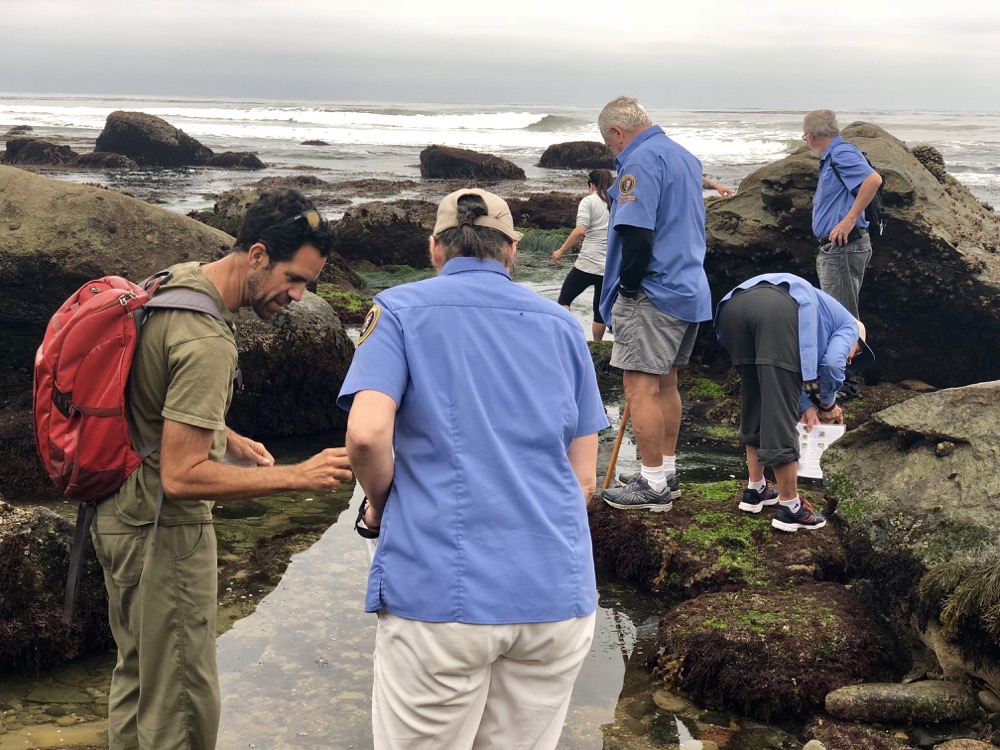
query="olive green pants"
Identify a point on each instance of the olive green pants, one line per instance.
(162, 605)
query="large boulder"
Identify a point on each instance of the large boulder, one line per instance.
(34, 559)
(448, 163)
(577, 155)
(151, 141)
(934, 281)
(293, 367)
(54, 236)
(918, 491)
(386, 233)
(35, 152)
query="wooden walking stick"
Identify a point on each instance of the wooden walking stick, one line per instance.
(618, 445)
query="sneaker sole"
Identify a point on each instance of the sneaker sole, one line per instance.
(674, 494)
(654, 507)
(756, 507)
(782, 526)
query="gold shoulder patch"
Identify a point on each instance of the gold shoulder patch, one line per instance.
(371, 320)
(626, 184)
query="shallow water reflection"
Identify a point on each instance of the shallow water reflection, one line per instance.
(297, 672)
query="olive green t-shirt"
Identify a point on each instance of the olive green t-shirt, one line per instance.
(183, 370)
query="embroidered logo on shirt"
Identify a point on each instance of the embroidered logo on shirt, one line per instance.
(626, 184)
(371, 319)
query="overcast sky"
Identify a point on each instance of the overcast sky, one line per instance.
(843, 54)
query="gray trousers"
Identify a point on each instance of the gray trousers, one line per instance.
(841, 270)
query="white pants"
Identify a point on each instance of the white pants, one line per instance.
(453, 686)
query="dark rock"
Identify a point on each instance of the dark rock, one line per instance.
(446, 162)
(150, 141)
(771, 653)
(228, 210)
(931, 158)
(42, 153)
(293, 367)
(17, 130)
(545, 210)
(314, 143)
(34, 559)
(105, 160)
(236, 160)
(835, 734)
(305, 183)
(386, 233)
(577, 155)
(703, 546)
(926, 702)
(936, 269)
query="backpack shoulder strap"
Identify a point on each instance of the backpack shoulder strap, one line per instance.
(186, 299)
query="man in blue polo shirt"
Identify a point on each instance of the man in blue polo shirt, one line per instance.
(846, 186)
(655, 289)
(474, 414)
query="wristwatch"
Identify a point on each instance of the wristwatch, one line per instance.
(827, 409)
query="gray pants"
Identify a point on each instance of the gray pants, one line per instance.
(841, 269)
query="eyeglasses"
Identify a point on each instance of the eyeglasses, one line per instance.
(313, 218)
(805, 136)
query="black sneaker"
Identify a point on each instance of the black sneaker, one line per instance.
(639, 495)
(805, 518)
(754, 500)
(672, 482)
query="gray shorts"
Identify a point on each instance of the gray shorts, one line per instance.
(648, 340)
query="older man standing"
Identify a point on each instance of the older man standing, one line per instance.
(847, 184)
(655, 289)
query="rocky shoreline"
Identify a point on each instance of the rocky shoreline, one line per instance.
(899, 588)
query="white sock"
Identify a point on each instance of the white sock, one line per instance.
(793, 505)
(655, 475)
(670, 464)
(759, 486)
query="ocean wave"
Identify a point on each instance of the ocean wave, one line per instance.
(557, 124)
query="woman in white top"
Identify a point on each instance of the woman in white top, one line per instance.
(591, 227)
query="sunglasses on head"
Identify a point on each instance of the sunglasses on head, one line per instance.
(312, 218)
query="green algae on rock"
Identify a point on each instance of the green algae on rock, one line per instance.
(772, 653)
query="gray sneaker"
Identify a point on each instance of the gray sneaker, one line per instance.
(638, 495)
(672, 482)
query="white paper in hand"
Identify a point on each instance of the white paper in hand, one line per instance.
(812, 444)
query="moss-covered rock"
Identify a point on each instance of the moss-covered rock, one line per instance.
(385, 234)
(921, 521)
(706, 544)
(772, 653)
(924, 702)
(350, 305)
(34, 560)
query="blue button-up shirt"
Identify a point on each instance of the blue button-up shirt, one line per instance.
(827, 333)
(834, 199)
(659, 188)
(485, 522)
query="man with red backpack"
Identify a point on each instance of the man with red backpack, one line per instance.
(159, 560)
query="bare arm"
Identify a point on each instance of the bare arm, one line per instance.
(187, 473)
(370, 428)
(866, 191)
(574, 238)
(723, 191)
(582, 455)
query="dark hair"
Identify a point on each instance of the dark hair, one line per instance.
(265, 222)
(602, 180)
(471, 241)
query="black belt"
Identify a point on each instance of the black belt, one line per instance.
(855, 234)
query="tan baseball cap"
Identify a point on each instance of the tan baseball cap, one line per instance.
(866, 357)
(497, 216)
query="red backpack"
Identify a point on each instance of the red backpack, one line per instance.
(79, 397)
